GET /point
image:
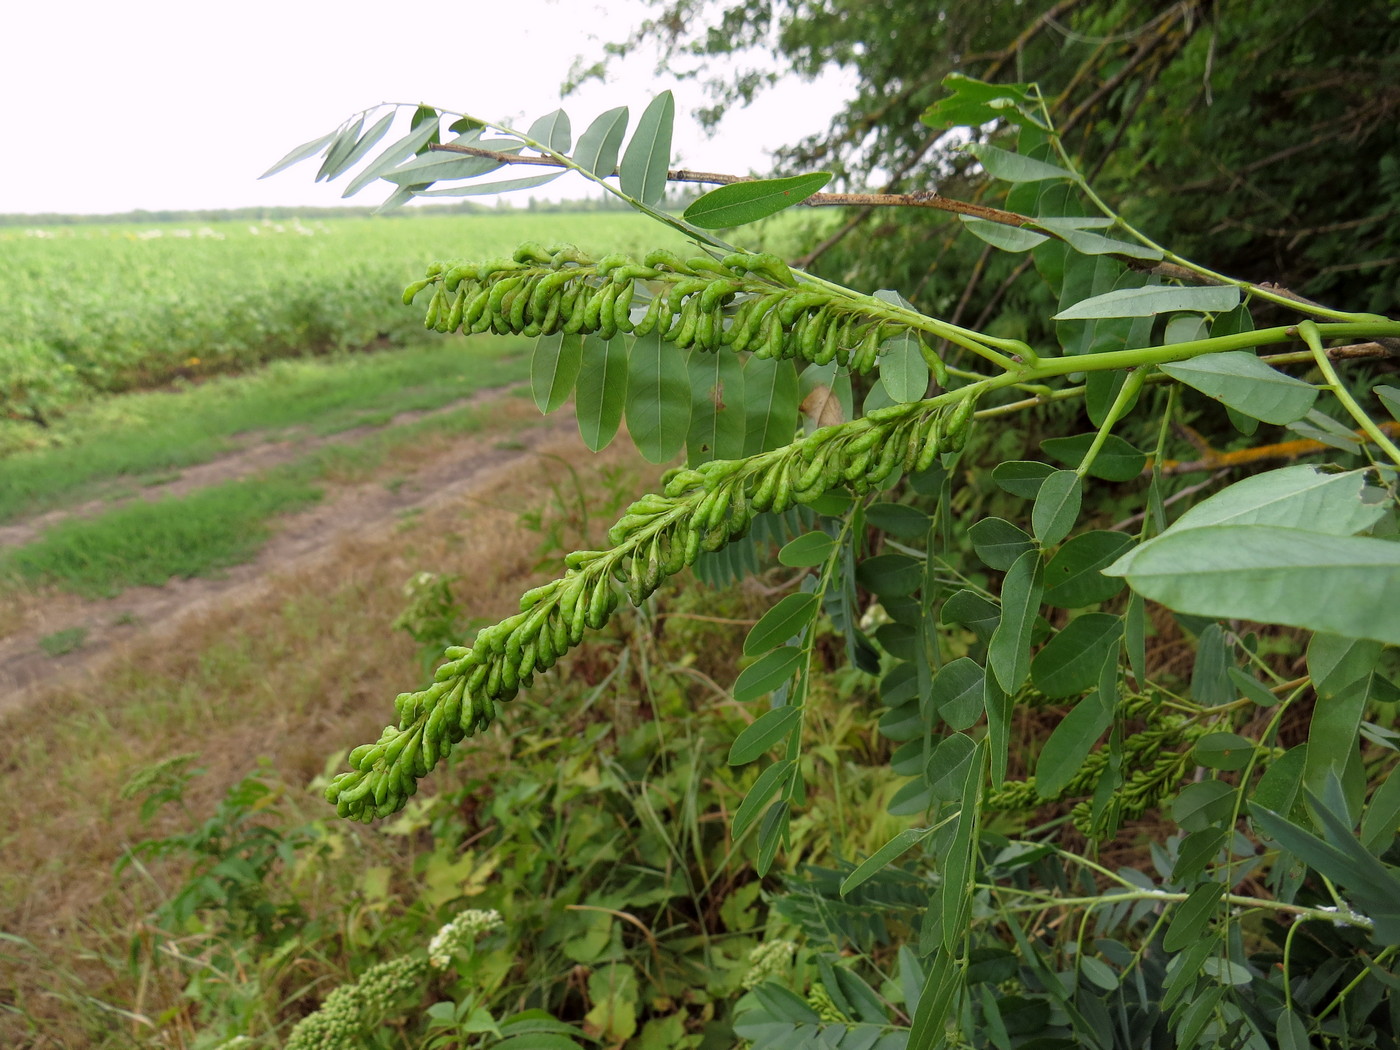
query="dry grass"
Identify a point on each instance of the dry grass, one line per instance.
(299, 674)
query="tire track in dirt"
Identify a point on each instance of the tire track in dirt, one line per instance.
(299, 541)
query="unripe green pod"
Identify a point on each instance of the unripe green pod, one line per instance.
(771, 266)
(815, 470)
(704, 331)
(683, 331)
(559, 627)
(801, 302)
(579, 621)
(651, 318)
(510, 682)
(607, 324)
(549, 324)
(455, 276)
(454, 316)
(960, 422)
(452, 704)
(704, 264)
(782, 498)
(622, 307)
(714, 539)
(673, 554)
(492, 685)
(774, 341)
(677, 482)
(581, 559)
(762, 498)
(363, 756)
(715, 293)
(435, 307)
(434, 269)
(475, 308)
(864, 359)
(856, 466)
(530, 252)
(569, 253)
(636, 584)
(611, 262)
(600, 604)
(499, 289)
(411, 292)
(891, 453)
(545, 288)
(691, 544)
(659, 258)
(684, 289)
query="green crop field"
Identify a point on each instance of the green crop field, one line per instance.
(94, 309)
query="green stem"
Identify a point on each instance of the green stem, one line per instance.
(1346, 918)
(1309, 332)
(1126, 394)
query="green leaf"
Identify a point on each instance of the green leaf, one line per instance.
(658, 398)
(648, 157)
(973, 102)
(1380, 820)
(301, 153)
(537, 1041)
(955, 896)
(1300, 497)
(1191, 917)
(767, 730)
(1070, 230)
(948, 767)
(1056, 507)
(599, 145)
(717, 423)
(970, 609)
(1009, 652)
(999, 235)
(1074, 577)
(1015, 167)
(1197, 850)
(432, 167)
(1158, 299)
(396, 154)
(476, 189)
(788, 618)
(898, 519)
(345, 140)
(884, 856)
(1247, 385)
(998, 542)
(1070, 662)
(771, 834)
(1278, 789)
(1390, 397)
(812, 548)
(367, 142)
(602, 389)
(744, 202)
(1253, 689)
(1341, 670)
(553, 130)
(1228, 751)
(767, 673)
(957, 693)
(772, 779)
(554, 369)
(903, 372)
(1198, 806)
(1290, 1032)
(890, 575)
(1069, 744)
(1116, 459)
(1339, 584)
(770, 404)
(1021, 477)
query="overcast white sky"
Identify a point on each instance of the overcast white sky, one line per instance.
(158, 104)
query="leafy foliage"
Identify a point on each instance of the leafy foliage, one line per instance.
(987, 606)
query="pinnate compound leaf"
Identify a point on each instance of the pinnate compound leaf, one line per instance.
(1009, 652)
(554, 369)
(1344, 585)
(1015, 167)
(301, 153)
(745, 202)
(788, 618)
(553, 130)
(1159, 299)
(771, 780)
(598, 146)
(658, 398)
(1300, 497)
(884, 856)
(1246, 384)
(767, 673)
(647, 160)
(602, 387)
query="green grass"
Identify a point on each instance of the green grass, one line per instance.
(148, 543)
(205, 532)
(149, 437)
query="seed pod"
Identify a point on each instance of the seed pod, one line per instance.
(771, 266)
(891, 453)
(622, 307)
(435, 307)
(546, 288)
(600, 604)
(762, 498)
(659, 258)
(814, 470)
(411, 292)
(704, 264)
(960, 422)
(652, 317)
(607, 327)
(683, 331)
(691, 544)
(568, 253)
(530, 252)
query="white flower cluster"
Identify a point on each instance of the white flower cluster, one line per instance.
(460, 933)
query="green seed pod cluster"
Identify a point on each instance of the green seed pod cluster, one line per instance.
(353, 1011)
(1159, 758)
(659, 535)
(742, 302)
